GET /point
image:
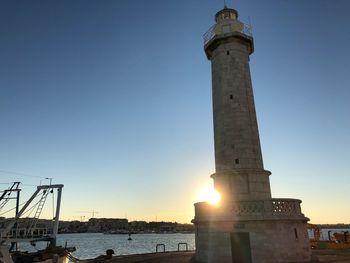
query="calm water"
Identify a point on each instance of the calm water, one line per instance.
(93, 245)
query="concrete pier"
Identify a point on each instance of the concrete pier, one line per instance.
(326, 256)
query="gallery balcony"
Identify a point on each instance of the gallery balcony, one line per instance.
(271, 209)
(227, 29)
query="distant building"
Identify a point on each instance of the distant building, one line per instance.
(100, 225)
(107, 224)
(138, 226)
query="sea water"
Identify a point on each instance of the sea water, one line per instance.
(91, 245)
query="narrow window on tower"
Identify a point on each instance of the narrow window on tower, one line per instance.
(236, 161)
(227, 52)
(296, 233)
(231, 97)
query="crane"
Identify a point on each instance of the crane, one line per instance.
(92, 212)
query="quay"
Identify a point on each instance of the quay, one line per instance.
(319, 255)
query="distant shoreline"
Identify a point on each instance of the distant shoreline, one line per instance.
(136, 233)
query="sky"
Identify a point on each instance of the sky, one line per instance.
(113, 99)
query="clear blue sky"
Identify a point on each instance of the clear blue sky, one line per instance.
(113, 99)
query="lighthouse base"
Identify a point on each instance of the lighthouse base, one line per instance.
(261, 231)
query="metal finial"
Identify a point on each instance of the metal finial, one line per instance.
(225, 6)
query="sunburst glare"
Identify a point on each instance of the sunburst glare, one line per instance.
(209, 194)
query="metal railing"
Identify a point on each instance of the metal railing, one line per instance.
(159, 246)
(209, 35)
(182, 244)
(229, 27)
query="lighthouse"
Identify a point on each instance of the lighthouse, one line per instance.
(248, 226)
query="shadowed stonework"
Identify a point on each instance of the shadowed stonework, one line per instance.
(248, 225)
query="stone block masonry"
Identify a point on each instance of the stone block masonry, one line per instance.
(249, 226)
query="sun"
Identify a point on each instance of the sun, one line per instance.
(209, 194)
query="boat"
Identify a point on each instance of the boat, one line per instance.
(13, 233)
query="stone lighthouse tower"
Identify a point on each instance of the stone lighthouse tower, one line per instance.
(248, 225)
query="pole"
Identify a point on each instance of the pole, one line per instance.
(57, 216)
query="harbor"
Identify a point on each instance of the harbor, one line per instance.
(91, 247)
(173, 132)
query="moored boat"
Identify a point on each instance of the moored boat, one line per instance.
(13, 233)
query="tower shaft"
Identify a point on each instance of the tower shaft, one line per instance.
(236, 136)
(240, 173)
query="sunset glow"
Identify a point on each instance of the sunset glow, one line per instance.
(209, 194)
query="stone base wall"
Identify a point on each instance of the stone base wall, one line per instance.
(260, 231)
(271, 241)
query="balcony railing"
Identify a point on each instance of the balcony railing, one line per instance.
(271, 208)
(229, 27)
